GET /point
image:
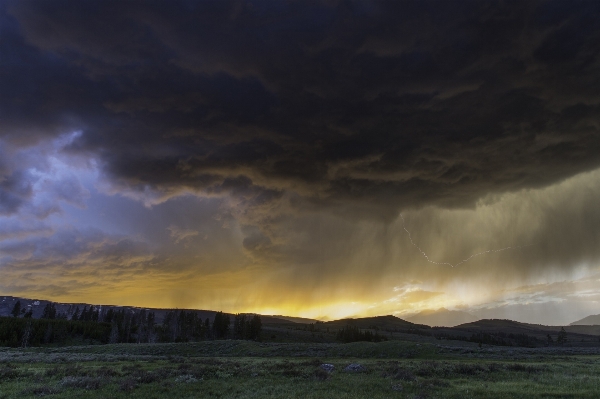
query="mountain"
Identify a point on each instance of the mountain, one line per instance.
(299, 320)
(593, 320)
(68, 309)
(442, 317)
(497, 331)
(7, 304)
(37, 306)
(387, 323)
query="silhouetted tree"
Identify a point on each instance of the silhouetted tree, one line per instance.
(255, 328)
(562, 336)
(221, 325)
(93, 314)
(49, 311)
(27, 334)
(75, 316)
(108, 316)
(353, 334)
(150, 331)
(114, 334)
(239, 326)
(16, 309)
(83, 314)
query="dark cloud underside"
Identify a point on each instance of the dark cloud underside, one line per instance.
(289, 135)
(401, 103)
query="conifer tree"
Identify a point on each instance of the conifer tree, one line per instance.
(75, 316)
(221, 325)
(255, 328)
(16, 309)
(562, 336)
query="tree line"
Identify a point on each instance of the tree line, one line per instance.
(354, 334)
(95, 325)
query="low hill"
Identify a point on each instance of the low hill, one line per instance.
(515, 327)
(442, 317)
(299, 320)
(593, 320)
(386, 323)
(37, 306)
(293, 329)
(498, 325)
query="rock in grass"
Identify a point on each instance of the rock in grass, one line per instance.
(355, 368)
(327, 367)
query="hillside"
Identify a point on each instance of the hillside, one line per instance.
(68, 309)
(510, 326)
(299, 320)
(593, 320)
(442, 317)
(386, 323)
(293, 329)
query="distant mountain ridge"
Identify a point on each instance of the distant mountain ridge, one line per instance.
(388, 322)
(592, 320)
(37, 306)
(442, 317)
(68, 309)
(501, 329)
(299, 320)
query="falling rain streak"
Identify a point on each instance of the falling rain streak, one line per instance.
(462, 261)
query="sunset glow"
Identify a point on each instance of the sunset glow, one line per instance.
(321, 160)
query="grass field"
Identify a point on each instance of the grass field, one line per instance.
(242, 369)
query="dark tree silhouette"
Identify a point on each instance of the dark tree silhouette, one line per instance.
(49, 311)
(562, 336)
(239, 326)
(354, 334)
(16, 309)
(221, 325)
(75, 316)
(255, 328)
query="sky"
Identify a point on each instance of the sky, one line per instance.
(323, 159)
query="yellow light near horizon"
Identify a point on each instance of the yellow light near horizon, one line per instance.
(322, 312)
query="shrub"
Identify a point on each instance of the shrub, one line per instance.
(128, 384)
(403, 375)
(107, 372)
(468, 369)
(40, 390)
(312, 362)
(321, 374)
(88, 383)
(428, 369)
(524, 368)
(9, 372)
(186, 378)
(434, 382)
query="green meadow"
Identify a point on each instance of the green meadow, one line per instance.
(245, 369)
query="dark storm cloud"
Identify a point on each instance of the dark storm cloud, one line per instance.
(359, 107)
(15, 189)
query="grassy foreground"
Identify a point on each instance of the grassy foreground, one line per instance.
(241, 369)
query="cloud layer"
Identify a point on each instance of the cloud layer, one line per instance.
(279, 142)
